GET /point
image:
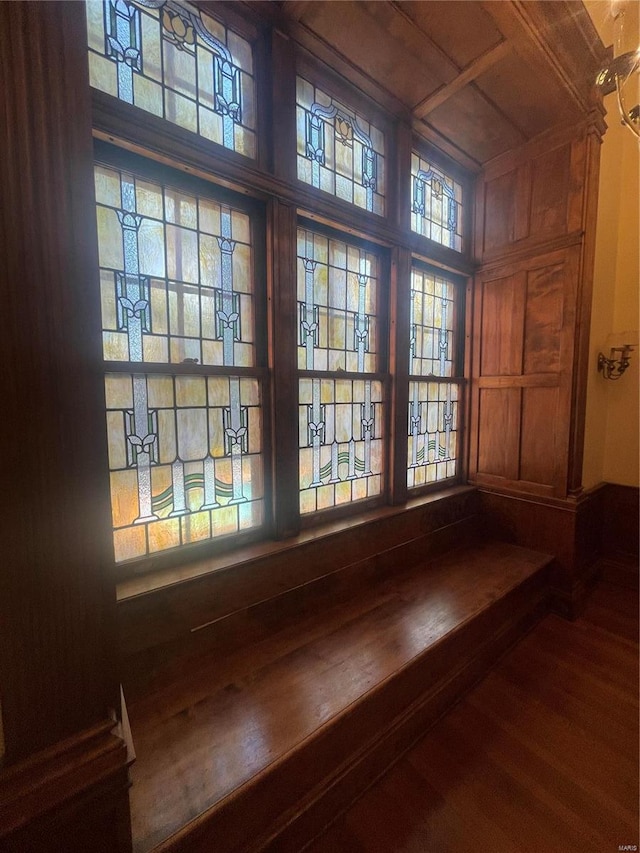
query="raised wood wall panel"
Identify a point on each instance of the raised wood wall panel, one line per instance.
(544, 318)
(499, 432)
(500, 205)
(525, 312)
(550, 174)
(503, 307)
(534, 196)
(540, 435)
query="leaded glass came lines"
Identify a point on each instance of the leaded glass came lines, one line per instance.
(433, 432)
(433, 406)
(171, 60)
(337, 305)
(341, 441)
(175, 275)
(432, 324)
(339, 151)
(436, 204)
(185, 459)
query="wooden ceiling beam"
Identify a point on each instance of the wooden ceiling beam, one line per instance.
(295, 9)
(467, 75)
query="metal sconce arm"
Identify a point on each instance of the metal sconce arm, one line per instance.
(614, 366)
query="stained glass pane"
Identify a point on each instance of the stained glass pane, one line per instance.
(337, 304)
(433, 432)
(341, 441)
(339, 150)
(436, 204)
(185, 459)
(175, 274)
(169, 59)
(432, 324)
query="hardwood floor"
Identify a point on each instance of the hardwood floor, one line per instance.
(542, 756)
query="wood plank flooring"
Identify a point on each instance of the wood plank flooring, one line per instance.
(541, 757)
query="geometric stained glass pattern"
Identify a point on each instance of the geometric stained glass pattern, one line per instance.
(432, 324)
(436, 204)
(339, 151)
(337, 304)
(175, 274)
(341, 441)
(185, 459)
(176, 62)
(433, 432)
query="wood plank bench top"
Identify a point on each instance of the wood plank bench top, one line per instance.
(224, 722)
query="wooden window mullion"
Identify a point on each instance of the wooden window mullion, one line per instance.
(400, 300)
(281, 235)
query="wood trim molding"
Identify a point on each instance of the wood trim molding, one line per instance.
(58, 781)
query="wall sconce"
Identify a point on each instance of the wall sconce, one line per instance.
(618, 361)
(620, 74)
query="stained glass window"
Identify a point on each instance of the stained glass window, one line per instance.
(176, 284)
(176, 62)
(341, 441)
(433, 432)
(337, 304)
(341, 446)
(432, 324)
(175, 274)
(339, 150)
(433, 405)
(185, 459)
(436, 204)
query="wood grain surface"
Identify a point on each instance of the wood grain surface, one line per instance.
(253, 733)
(541, 756)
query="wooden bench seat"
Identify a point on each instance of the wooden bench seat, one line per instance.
(260, 748)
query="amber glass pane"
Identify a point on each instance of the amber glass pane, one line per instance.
(176, 274)
(177, 63)
(337, 305)
(185, 459)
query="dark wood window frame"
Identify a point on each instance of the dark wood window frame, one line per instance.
(270, 185)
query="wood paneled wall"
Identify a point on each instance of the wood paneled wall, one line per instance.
(535, 227)
(534, 241)
(57, 674)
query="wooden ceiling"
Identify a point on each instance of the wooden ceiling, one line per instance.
(476, 78)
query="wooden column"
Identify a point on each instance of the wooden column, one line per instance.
(63, 768)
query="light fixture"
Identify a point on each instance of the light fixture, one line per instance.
(617, 74)
(618, 361)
